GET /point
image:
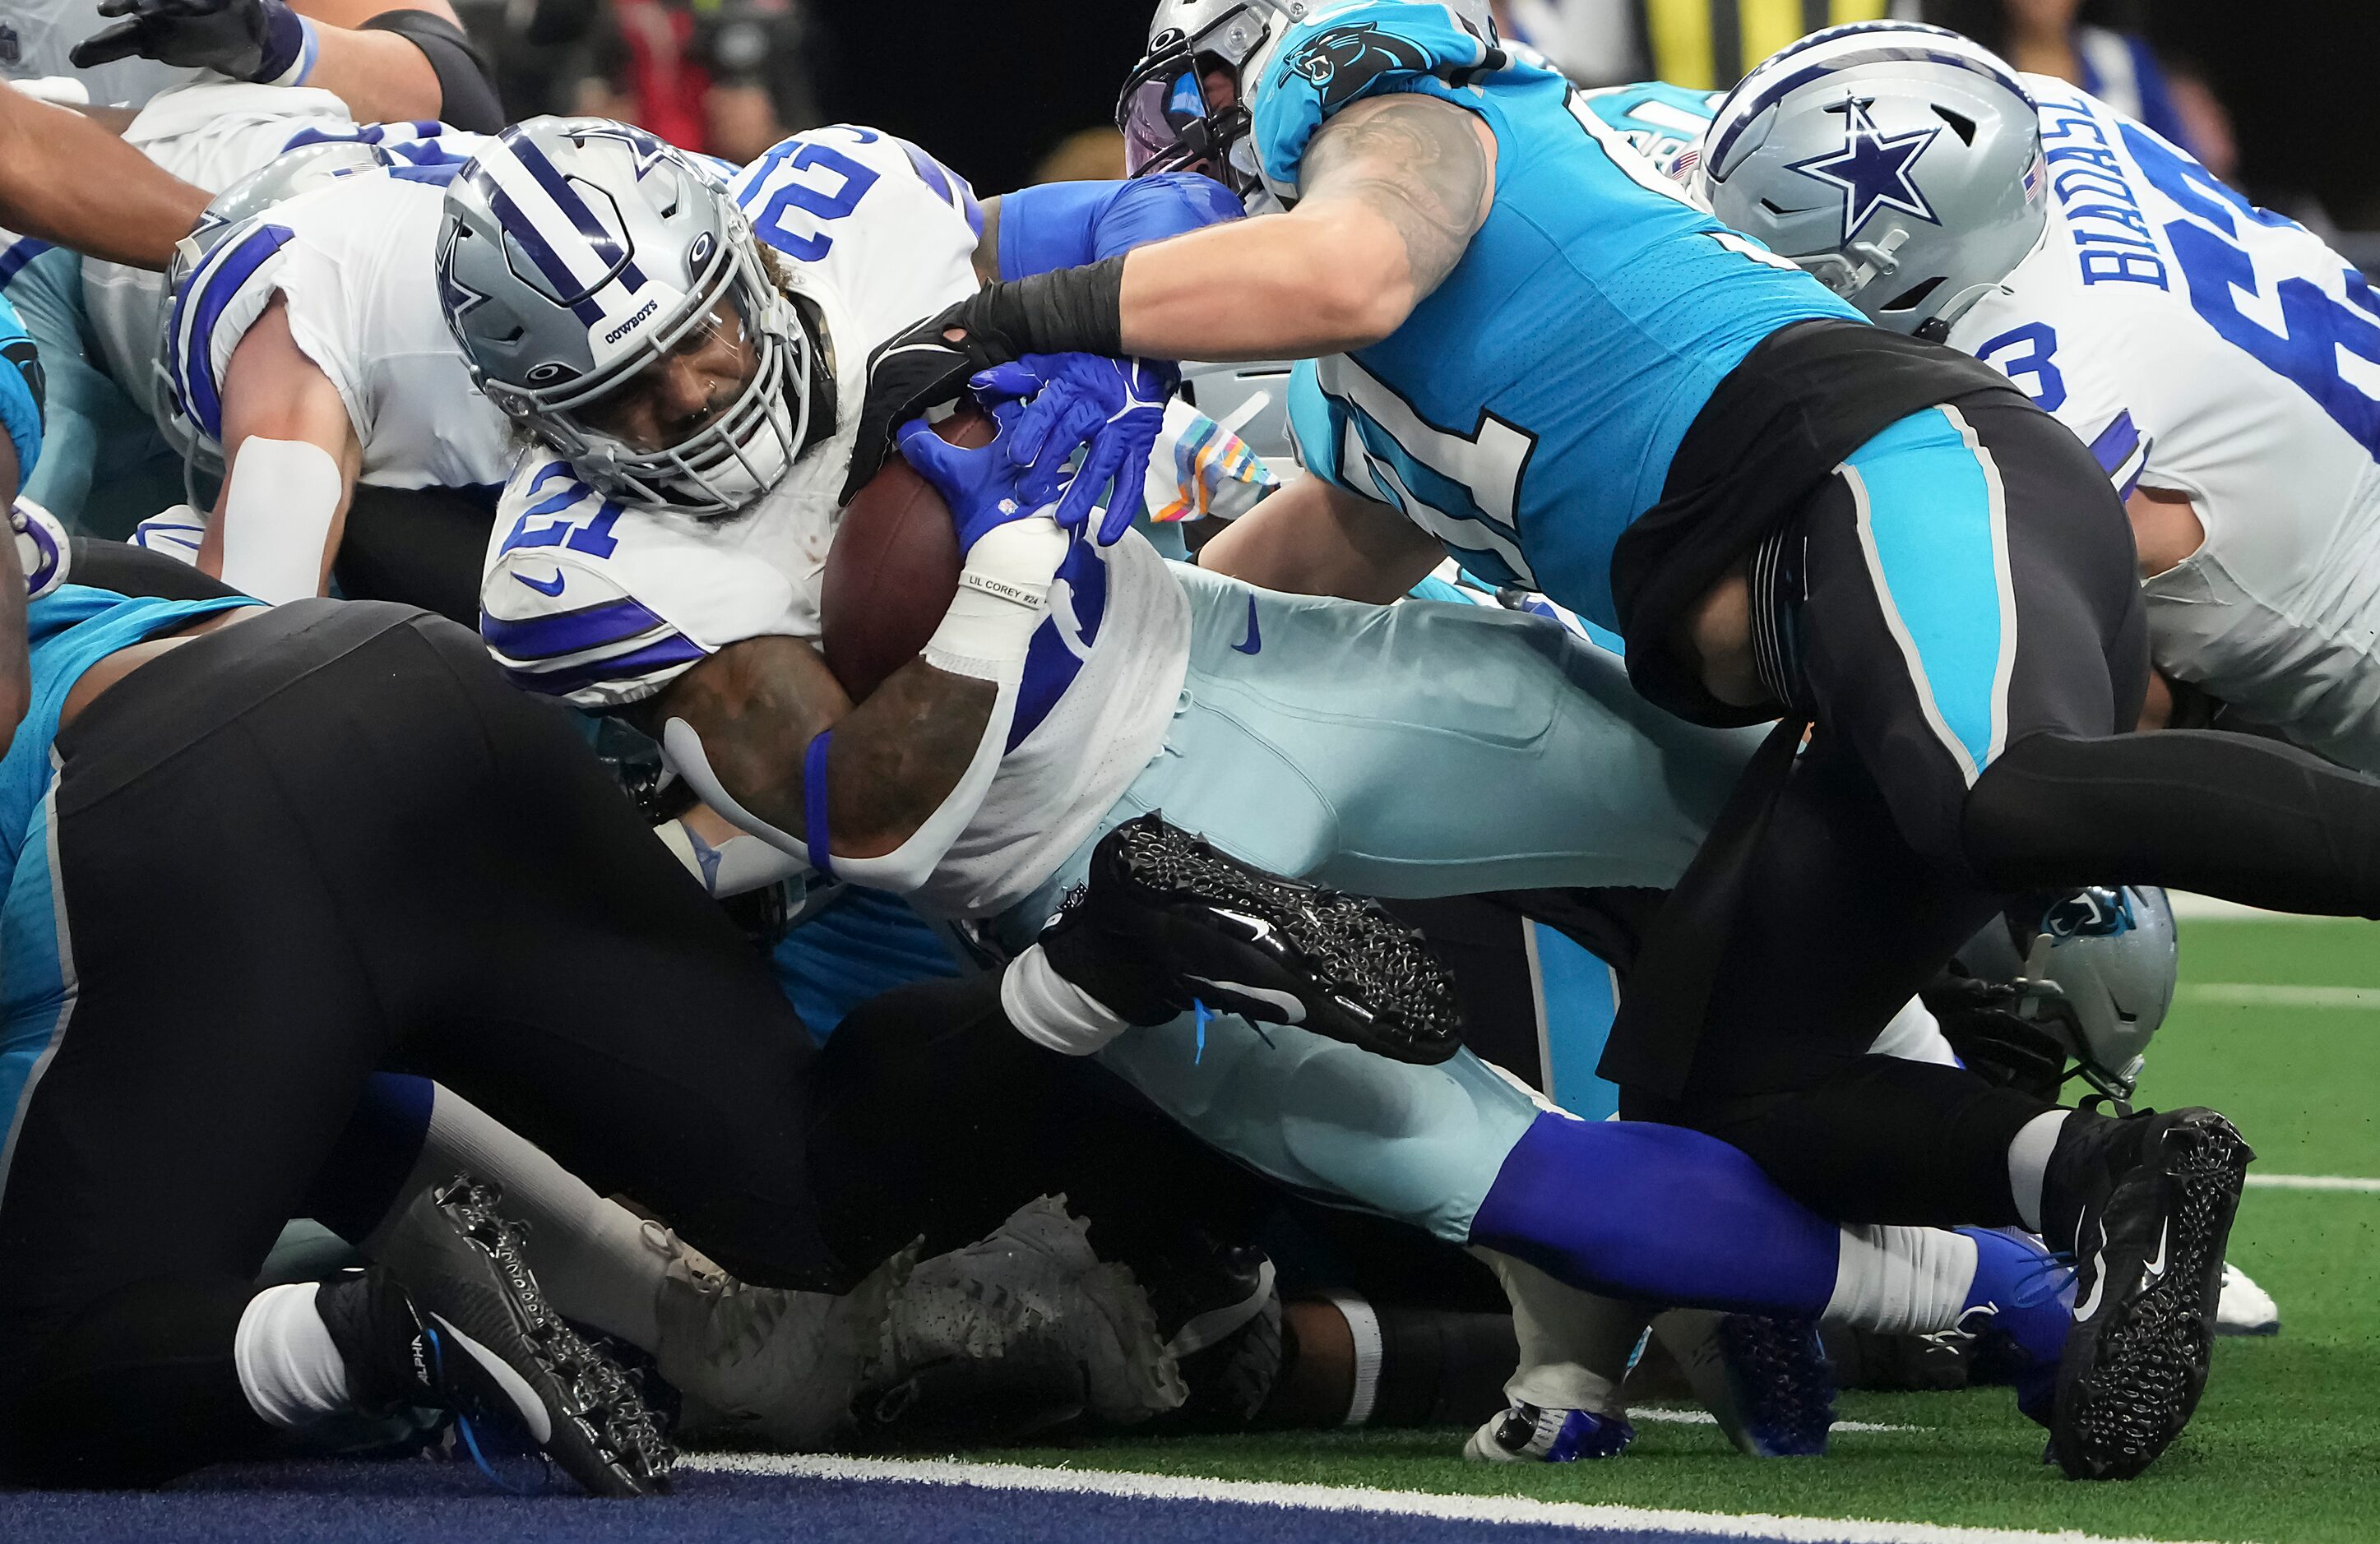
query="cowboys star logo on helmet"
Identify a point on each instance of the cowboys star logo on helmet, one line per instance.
(1873, 169)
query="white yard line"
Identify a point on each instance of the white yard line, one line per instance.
(1669, 1415)
(1334, 1497)
(2246, 994)
(2311, 1182)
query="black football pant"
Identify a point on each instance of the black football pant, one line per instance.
(1970, 644)
(329, 839)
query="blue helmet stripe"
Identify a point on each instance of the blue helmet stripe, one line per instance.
(606, 249)
(524, 231)
(226, 276)
(1740, 117)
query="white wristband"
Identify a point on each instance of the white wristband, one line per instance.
(278, 508)
(1003, 592)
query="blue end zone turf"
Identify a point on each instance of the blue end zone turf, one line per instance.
(428, 1503)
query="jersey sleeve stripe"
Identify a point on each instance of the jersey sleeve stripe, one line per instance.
(945, 184)
(215, 287)
(13, 261)
(2121, 453)
(580, 632)
(670, 654)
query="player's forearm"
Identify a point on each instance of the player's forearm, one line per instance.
(67, 179)
(380, 76)
(1318, 282)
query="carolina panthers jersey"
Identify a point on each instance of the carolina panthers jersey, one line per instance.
(1526, 412)
(210, 136)
(603, 605)
(2203, 345)
(355, 266)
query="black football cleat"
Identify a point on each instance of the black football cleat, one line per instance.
(1218, 1309)
(1165, 920)
(449, 1318)
(2144, 1201)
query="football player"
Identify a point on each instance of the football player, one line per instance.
(1538, 354)
(2219, 359)
(694, 362)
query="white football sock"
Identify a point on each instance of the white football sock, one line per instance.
(1048, 1009)
(1902, 1280)
(290, 1368)
(1364, 1329)
(2029, 1162)
(590, 1255)
(1574, 1346)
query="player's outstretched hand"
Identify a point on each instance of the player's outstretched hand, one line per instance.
(983, 486)
(247, 40)
(922, 368)
(1114, 406)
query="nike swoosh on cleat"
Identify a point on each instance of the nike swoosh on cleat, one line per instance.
(2089, 1305)
(1291, 1011)
(2153, 1271)
(1251, 644)
(542, 587)
(533, 1413)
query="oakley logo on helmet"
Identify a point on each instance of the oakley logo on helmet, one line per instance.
(698, 256)
(634, 322)
(1344, 60)
(1873, 169)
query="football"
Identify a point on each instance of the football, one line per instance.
(894, 567)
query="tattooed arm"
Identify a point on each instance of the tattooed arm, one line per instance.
(894, 758)
(1393, 190)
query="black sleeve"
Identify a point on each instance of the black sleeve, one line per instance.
(466, 87)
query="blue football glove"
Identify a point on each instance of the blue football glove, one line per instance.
(983, 486)
(1114, 406)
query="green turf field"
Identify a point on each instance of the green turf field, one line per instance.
(2285, 1448)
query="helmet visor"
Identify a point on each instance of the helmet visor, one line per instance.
(1169, 124)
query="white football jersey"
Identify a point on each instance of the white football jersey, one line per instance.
(2202, 346)
(211, 134)
(604, 604)
(355, 265)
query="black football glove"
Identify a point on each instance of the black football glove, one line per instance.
(1980, 1020)
(247, 40)
(910, 374)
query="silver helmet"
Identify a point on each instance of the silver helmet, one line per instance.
(1170, 121)
(284, 177)
(1900, 163)
(2096, 968)
(577, 252)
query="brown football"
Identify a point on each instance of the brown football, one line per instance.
(894, 567)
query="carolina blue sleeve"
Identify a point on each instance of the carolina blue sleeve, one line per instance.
(20, 392)
(1066, 224)
(1315, 423)
(1362, 51)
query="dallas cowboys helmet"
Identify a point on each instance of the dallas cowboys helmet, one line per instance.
(576, 252)
(1168, 123)
(284, 177)
(2096, 968)
(1901, 164)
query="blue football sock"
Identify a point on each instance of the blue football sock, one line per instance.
(1660, 1214)
(2021, 1307)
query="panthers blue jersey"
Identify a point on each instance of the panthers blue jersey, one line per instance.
(20, 392)
(1526, 414)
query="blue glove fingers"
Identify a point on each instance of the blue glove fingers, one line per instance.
(1015, 378)
(1083, 494)
(936, 459)
(1131, 488)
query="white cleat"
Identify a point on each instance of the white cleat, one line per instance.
(2245, 1309)
(1526, 1434)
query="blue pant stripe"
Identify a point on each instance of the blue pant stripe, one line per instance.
(1932, 524)
(37, 972)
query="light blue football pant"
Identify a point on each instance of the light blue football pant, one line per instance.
(1424, 749)
(104, 466)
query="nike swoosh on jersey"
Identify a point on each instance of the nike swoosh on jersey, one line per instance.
(1291, 1011)
(1253, 642)
(548, 590)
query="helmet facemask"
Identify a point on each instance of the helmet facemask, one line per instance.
(1169, 125)
(736, 454)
